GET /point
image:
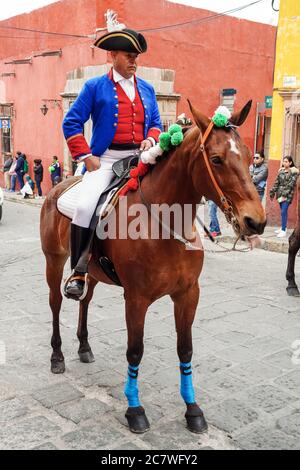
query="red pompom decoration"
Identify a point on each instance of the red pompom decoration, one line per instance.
(133, 183)
(140, 170)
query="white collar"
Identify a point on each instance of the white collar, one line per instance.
(118, 77)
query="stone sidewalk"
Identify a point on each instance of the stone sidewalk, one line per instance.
(246, 358)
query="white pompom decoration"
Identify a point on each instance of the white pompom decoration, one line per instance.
(150, 156)
(224, 111)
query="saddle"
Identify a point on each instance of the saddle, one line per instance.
(67, 202)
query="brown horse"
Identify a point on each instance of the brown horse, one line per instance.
(210, 161)
(294, 246)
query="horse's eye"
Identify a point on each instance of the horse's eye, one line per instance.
(216, 160)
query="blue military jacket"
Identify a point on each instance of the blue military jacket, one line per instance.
(99, 100)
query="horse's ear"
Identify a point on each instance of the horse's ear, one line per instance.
(240, 117)
(200, 119)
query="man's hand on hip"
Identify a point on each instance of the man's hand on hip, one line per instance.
(92, 163)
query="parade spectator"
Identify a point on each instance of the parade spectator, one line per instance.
(55, 171)
(28, 188)
(259, 173)
(6, 167)
(20, 169)
(214, 226)
(13, 175)
(283, 189)
(25, 164)
(38, 170)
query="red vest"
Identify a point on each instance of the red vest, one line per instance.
(131, 118)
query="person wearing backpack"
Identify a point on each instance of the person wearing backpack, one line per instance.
(25, 164)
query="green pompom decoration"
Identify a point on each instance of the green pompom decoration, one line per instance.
(177, 138)
(174, 128)
(219, 120)
(165, 141)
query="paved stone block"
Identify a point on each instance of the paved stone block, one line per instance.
(171, 436)
(291, 381)
(265, 345)
(56, 394)
(268, 398)
(27, 433)
(10, 409)
(281, 359)
(236, 354)
(234, 337)
(255, 371)
(82, 410)
(210, 365)
(231, 415)
(223, 385)
(263, 438)
(290, 424)
(46, 446)
(93, 437)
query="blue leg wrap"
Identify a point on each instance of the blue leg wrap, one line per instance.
(186, 386)
(131, 389)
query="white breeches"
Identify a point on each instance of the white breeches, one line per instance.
(94, 183)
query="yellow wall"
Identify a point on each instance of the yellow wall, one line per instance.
(287, 64)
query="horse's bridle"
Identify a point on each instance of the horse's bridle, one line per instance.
(226, 205)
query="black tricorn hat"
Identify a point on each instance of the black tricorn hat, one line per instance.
(126, 40)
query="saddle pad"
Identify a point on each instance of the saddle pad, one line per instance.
(68, 201)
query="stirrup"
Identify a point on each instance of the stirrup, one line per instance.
(84, 278)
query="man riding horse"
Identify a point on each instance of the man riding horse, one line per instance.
(125, 118)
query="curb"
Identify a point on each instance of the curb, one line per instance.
(268, 245)
(20, 200)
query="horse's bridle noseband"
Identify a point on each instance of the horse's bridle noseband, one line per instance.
(226, 205)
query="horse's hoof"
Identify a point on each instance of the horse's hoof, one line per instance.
(293, 291)
(195, 419)
(58, 367)
(86, 356)
(137, 420)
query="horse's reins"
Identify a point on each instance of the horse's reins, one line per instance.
(226, 205)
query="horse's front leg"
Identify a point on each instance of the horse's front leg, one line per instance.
(85, 352)
(185, 304)
(136, 309)
(294, 245)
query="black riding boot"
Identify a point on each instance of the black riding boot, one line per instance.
(80, 243)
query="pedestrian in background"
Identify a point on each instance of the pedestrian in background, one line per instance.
(13, 175)
(6, 167)
(55, 171)
(214, 226)
(28, 188)
(259, 173)
(20, 169)
(38, 175)
(283, 189)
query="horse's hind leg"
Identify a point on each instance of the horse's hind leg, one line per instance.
(185, 304)
(84, 351)
(294, 245)
(54, 272)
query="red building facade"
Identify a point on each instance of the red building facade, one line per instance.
(195, 59)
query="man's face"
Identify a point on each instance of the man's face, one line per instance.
(125, 63)
(258, 160)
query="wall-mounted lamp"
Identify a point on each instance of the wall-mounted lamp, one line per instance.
(44, 108)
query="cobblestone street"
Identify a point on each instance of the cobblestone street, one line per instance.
(246, 372)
